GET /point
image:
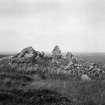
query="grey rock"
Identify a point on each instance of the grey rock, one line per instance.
(85, 77)
(27, 55)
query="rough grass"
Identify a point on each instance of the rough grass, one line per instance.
(81, 93)
(17, 87)
(33, 97)
(74, 92)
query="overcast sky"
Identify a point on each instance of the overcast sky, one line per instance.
(74, 25)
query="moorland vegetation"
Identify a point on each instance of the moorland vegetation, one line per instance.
(40, 77)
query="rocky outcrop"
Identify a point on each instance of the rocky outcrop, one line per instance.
(69, 56)
(27, 55)
(56, 53)
(28, 58)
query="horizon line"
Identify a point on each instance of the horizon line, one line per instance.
(75, 52)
